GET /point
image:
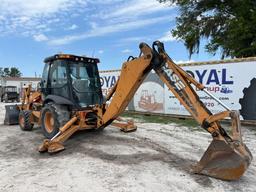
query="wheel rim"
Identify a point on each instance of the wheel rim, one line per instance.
(21, 121)
(49, 122)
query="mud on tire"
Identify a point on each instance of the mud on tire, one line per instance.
(248, 102)
(53, 117)
(25, 120)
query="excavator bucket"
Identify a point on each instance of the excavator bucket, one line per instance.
(226, 158)
(224, 161)
(11, 115)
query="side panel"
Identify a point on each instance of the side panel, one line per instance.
(58, 100)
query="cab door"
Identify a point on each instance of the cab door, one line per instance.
(58, 79)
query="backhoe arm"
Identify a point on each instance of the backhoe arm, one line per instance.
(133, 73)
(227, 157)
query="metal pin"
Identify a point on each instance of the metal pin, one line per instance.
(56, 135)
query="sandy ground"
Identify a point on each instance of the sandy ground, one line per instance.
(156, 157)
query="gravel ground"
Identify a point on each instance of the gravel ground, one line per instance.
(156, 157)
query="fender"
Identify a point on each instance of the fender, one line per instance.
(58, 100)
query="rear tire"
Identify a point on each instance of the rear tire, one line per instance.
(5, 98)
(53, 118)
(25, 120)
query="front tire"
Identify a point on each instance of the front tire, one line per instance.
(53, 118)
(25, 120)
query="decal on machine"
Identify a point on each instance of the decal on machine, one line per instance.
(174, 79)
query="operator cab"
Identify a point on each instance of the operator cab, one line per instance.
(72, 79)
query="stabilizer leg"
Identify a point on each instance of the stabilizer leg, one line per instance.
(56, 143)
(125, 126)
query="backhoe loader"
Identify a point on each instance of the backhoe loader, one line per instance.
(70, 99)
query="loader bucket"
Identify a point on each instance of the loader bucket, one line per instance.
(226, 161)
(11, 115)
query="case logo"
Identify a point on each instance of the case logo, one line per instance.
(174, 78)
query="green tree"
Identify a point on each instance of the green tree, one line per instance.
(6, 72)
(228, 25)
(14, 72)
(10, 72)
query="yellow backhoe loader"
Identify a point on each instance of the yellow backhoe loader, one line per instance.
(70, 99)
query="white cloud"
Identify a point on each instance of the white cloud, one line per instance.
(136, 8)
(101, 51)
(42, 26)
(2, 17)
(135, 39)
(31, 17)
(72, 27)
(108, 29)
(94, 25)
(105, 2)
(126, 51)
(40, 37)
(31, 8)
(167, 37)
(49, 17)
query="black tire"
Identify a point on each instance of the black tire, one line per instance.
(248, 102)
(53, 118)
(25, 120)
(5, 98)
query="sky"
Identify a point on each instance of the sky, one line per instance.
(110, 30)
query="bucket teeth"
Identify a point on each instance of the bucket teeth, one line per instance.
(226, 161)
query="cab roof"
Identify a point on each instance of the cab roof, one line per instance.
(72, 58)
